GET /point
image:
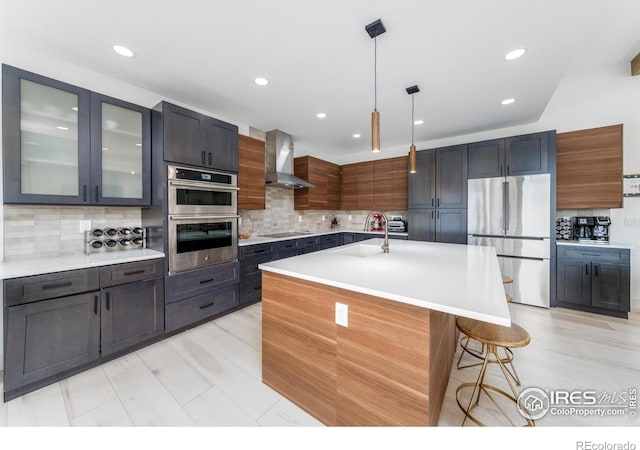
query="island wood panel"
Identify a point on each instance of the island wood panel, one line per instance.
(376, 371)
(251, 180)
(299, 344)
(589, 168)
(383, 363)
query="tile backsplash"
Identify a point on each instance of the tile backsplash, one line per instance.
(279, 215)
(44, 230)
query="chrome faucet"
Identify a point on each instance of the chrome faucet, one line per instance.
(385, 245)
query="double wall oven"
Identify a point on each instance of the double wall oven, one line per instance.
(202, 218)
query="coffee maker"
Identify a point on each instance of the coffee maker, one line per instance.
(589, 229)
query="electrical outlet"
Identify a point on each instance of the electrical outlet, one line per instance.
(299, 218)
(323, 217)
(84, 225)
(350, 217)
(342, 314)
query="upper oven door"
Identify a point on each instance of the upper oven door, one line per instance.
(201, 241)
(202, 192)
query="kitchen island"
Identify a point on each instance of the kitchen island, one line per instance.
(358, 337)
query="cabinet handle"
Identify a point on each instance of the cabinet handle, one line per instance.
(508, 169)
(595, 269)
(133, 272)
(432, 202)
(95, 304)
(500, 170)
(97, 193)
(586, 269)
(108, 305)
(207, 305)
(438, 202)
(438, 215)
(260, 251)
(84, 192)
(257, 288)
(56, 285)
(202, 156)
(210, 160)
(432, 215)
(206, 281)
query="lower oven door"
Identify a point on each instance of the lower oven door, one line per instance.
(199, 241)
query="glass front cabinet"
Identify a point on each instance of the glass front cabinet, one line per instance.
(66, 145)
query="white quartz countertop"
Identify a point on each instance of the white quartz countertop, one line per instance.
(37, 266)
(463, 280)
(591, 244)
(257, 239)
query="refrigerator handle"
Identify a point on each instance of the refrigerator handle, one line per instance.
(506, 207)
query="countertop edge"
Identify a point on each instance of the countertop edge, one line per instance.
(29, 267)
(609, 245)
(256, 240)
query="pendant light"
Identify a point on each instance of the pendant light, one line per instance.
(412, 150)
(374, 29)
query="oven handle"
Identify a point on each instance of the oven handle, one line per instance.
(206, 186)
(202, 217)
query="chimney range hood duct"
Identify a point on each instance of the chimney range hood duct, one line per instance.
(279, 162)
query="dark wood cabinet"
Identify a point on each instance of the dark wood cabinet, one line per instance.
(58, 324)
(251, 156)
(194, 139)
(438, 225)
(517, 155)
(131, 313)
(422, 224)
(325, 176)
(593, 279)
(70, 146)
(451, 177)
(50, 337)
(422, 184)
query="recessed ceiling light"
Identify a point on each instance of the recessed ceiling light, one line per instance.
(418, 122)
(138, 145)
(356, 136)
(104, 149)
(132, 172)
(514, 54)
(122, 50)
(321, 116)
(75, 108)
(507, 101)
(62, 128)
(260, 81)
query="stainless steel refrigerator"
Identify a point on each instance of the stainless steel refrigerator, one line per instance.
(512, 214)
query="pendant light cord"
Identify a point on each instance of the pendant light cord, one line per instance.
(375, 74)
(412, 124)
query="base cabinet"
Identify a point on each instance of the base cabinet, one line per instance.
(593, 279)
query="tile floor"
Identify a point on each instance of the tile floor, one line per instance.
(211, 376)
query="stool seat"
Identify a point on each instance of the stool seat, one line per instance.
(492, 334)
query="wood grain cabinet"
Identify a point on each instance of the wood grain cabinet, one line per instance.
(325, 176)
(593, 279)
(69, 146)
(380, 184)
(589, 168)
(189, 137)
(251, 173)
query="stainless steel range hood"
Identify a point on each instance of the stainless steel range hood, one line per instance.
(279, 162)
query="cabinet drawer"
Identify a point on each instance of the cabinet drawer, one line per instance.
(251, 288)
(328, 241)
(52, 285)
(307, 242)
(286, 254)
(610, 255)
(194, 309)
(285, 246)
(130, 272)
(250, 251)
(178, 287)
(249, 267)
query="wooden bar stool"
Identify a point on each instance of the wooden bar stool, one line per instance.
(492, 338)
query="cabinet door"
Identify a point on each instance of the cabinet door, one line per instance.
(120, 152)
(365, 186)
(422, 184)
(610, 287)
(451, 177)
(486, 159)
(383, 187)
(451, 226)
(49, 337)
(399, 183)
(131, 314)
(349, 183)
(46, 139)
(184, 135)
(573, 283)
(221, 145)
(251, 173)
(422, 225)
(334, 189)
(528, 154)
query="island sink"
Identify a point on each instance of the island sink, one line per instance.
(360, 250)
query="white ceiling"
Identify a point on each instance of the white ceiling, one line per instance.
(318, 57)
